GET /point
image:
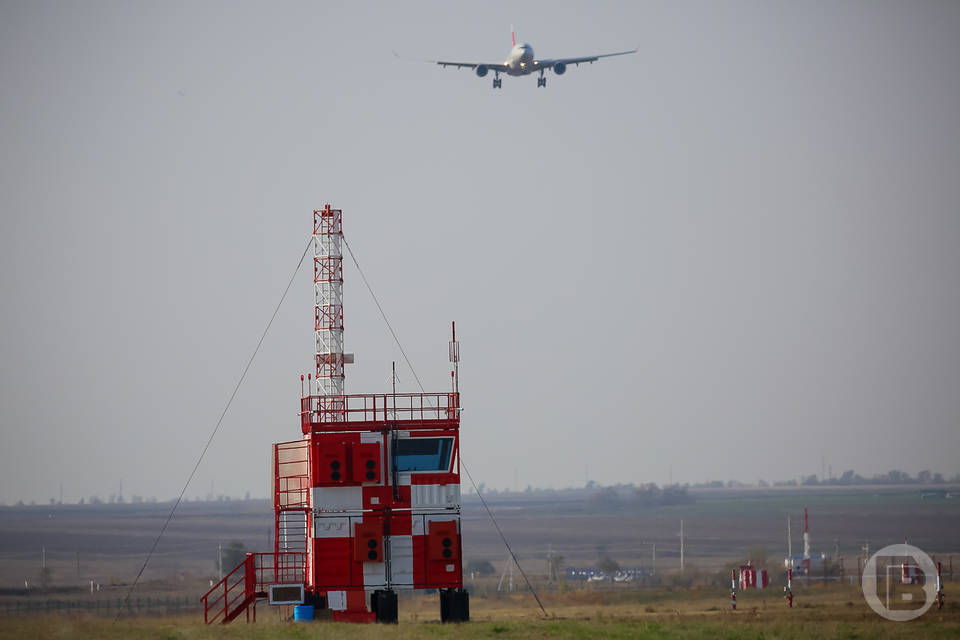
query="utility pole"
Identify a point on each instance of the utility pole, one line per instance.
(507, 573)
(654, 558)
(681, 547)
(789, 544)
(551, 571)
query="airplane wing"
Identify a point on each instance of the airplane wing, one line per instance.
(579, 61)
(493, 66)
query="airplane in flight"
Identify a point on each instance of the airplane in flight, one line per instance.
(521, 62)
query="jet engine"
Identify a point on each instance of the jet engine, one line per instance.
(560, 68)
(482, 70)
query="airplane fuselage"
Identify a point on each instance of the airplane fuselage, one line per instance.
(520, 61)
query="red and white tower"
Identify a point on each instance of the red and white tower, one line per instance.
(328, 294)
(367, 500)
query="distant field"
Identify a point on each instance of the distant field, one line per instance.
(110, 541)
(720, 526)
(831, 612)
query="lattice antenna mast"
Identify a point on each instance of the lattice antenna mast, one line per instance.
(328, 290)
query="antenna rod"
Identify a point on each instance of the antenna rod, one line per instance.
(455, 356)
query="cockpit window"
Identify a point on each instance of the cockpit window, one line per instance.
(423, 454)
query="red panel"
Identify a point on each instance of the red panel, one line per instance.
(368, 541)
(442, 557)
(384, 497)
(354, 616)
(434, 478)
(366, 462)
(331, 463)
(331, 459)
(442, 541)
(401, 524)
(444, 573)
(356, 600)
(332, 562)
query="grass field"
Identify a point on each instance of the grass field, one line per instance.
(831, 612)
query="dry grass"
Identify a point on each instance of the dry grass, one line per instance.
(834, 612)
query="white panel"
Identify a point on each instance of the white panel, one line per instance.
(337, 498)
(401, 556)
(337, 600)
(425, 495)
(368, 436)
(374, 575)
(435, 495)
(453, 495)
(328, 527)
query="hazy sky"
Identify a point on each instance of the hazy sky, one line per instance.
(732, 255)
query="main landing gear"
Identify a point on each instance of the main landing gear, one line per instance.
(541, 81)
(497, 82)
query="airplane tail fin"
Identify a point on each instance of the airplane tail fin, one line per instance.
(513, 37)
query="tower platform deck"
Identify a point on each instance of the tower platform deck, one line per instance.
(376, 412)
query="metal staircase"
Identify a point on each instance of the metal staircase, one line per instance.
(238, 592)
(233, 595)
(292, 531)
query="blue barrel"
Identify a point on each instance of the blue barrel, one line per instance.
(303, 613)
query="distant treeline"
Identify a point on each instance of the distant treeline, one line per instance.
(847, 478)
(850, 477)
(646, 495)
(116, 498)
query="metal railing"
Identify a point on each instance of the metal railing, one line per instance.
(291, 471)
(279, 568)
(229, 596)
(386, 407)
(250, 580)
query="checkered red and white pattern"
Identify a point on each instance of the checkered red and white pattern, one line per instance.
(365, 533)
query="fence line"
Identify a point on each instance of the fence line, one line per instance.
(103, 606)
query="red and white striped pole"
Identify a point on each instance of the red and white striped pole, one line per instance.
(789, 588)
